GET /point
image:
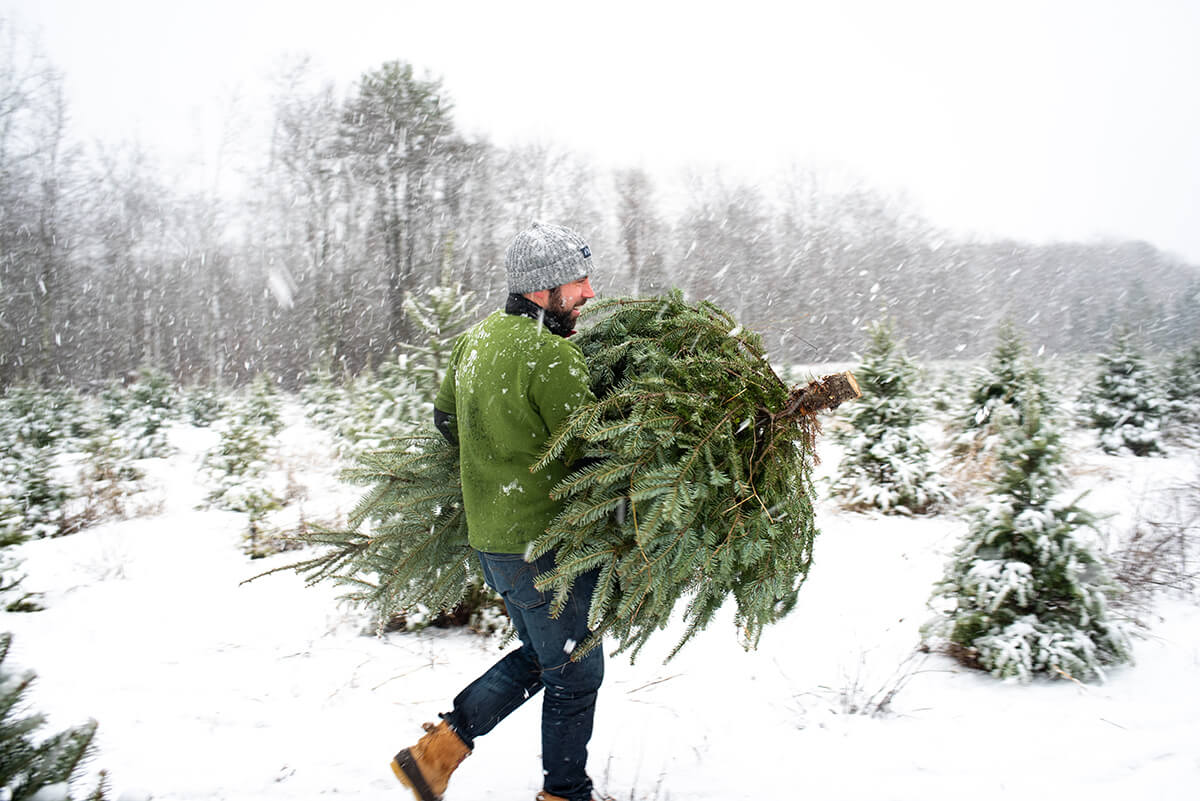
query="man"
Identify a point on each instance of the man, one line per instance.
(512, 379)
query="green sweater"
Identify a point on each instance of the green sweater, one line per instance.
(509, 384)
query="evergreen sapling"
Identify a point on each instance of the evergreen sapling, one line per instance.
(150, 404)
(33, 767)
(886, 466)
(12, 598)
(1125, 404)
(261, 408)
(996, 390)
(238, 468)
(322, 399)
(1182, 395)
(34, 425)
(32, 501)
(440, 316)
(995, 398)
(203, 406)
(1026, 592)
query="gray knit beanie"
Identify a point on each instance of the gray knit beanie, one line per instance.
(545, 256)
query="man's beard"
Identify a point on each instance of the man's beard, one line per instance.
(557, 308)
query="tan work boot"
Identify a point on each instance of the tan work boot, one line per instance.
(544, 796)
(426, 767)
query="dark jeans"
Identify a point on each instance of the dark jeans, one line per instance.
(542, 661)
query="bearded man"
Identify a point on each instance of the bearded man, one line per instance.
(512, 380)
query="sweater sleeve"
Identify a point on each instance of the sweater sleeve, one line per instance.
(445, 400)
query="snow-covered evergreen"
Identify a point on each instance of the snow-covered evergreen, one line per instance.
(887, 465)
(1026, 591)
(1126, 404)
(203, 405)
(237, 469)
(33, 425)
(1182, 394)
(34, 767)
(441, 314)
(996, 389)
(140, 413)
(322, 398)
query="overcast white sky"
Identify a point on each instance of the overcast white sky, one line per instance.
(1041, 120)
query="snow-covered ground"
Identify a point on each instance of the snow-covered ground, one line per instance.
(209, 688)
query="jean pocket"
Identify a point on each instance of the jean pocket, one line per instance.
(513, 579)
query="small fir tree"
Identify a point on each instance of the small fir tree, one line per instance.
(35, 425)
(153, 390)
(33, 767)
(440, 316)
(12, 531)
(886, 465)
(114, 405)
(1182, 394)
(322, 399)
(995, 396)
(1025, 593)
(41, 418)
(1125, 404)
(12, 597)
(32, 501)
(238, 471)
(203, 405)
(142, 413)
(261, 408)
(998, 384)
(378, 406)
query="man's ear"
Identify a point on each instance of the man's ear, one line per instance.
(541, 297)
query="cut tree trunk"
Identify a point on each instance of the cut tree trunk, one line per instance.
(823, 394)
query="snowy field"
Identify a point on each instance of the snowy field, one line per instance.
(208, 688)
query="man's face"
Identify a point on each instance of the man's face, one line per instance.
(568, 299)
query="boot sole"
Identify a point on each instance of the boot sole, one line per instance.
(409, 774)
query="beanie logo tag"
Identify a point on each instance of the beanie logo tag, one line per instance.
(587, 253)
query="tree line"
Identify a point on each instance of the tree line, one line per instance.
(368, 195)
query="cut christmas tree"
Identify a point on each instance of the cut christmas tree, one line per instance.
(702, 485)
(698, 485)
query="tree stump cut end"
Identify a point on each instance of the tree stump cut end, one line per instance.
(824, 394)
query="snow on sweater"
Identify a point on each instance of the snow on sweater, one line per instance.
(510, 384)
